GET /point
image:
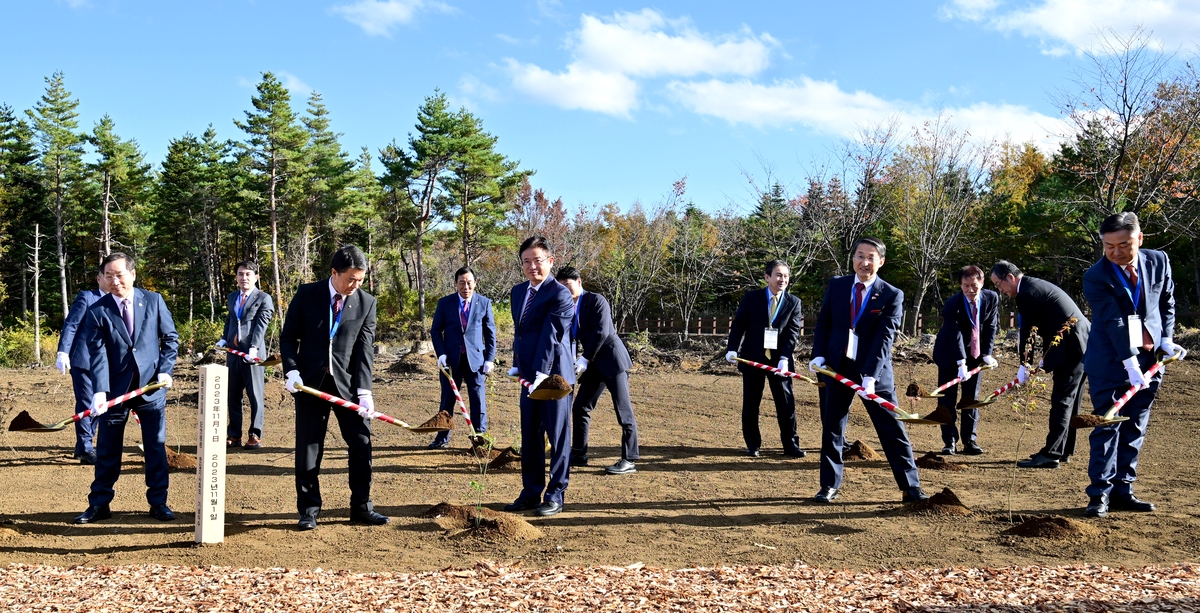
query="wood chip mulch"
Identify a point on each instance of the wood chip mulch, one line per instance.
(491, 587)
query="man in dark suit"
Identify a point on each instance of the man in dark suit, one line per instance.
(765, 330)
(970, 320)
(328, 339)
(1132, 296)
(855, 328)
(542, 312)
(604, 363)
(73, 358)
(250, 312)
(1044, 305)
(131, 344)
(464, 338)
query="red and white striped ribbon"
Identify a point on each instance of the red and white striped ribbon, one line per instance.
(945, 386)
(119, 399)
(349, 405)
(784, 373)
(1008, 386)
(462, 406)
(858, 388)
(1133, 389)
(242, 354)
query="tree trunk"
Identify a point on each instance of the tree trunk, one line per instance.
(1196, 272)
(58, 235)
(24, 295)
(371, 259)
(421, 275)
(37, 310)
(922, 286)
(105, 229)
(275, 239)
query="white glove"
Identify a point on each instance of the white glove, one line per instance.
(293, 379)
(442, 360)
(165, 379)
(488, 367)
(63, 363)
(783, 364)
(1135, 373)
(962, 370)
(1022, 374)
(580, 365)
(868, 387)
(221, 343)
(514, 372)
(731, 357)
(990, 361)
(817, 362)
(1166, 345)
(367, 407)
(252, 355)
(537, 380)
(99, 402)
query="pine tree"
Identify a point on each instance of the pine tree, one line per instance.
(120, 169)
(20, 193)
(322, 178)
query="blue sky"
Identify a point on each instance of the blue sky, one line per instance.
(609, 102)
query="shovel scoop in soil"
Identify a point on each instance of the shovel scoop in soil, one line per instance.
(1110, 416)
(554, 387)
(24, 422)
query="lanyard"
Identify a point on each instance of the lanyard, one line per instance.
(1135, 294)
(334, 323)
(771, 317)
(862, 308)
(974, 320)
(241, 304)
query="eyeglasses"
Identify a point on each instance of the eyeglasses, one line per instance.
(113, 277)
(536, 262)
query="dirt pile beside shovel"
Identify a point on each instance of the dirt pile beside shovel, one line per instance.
(1053, 527)
(945, 502)
(492, 525)
(941, 415)
(554, 383)
(1082, 421)
(914, 390)
(24, 421)
(862, 452)
(933, 461)
(441, 421)
(180, 461)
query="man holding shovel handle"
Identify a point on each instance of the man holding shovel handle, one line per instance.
(1132, 296)
(970, 320)
(250, 313)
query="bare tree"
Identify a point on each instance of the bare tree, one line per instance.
(36, 269)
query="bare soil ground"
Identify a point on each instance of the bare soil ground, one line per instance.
(696, 500)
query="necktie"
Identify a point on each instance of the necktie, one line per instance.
(127, 315)
(241, 304)
(1147, 342)
(771, 314)
(575, 323)
(337, 307)
(528, 301)
(857, 305)
(971, 313)
(464, 313)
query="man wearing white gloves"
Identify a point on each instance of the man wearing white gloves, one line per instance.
(1132, 296)
(970, 319)
(464, 338)
(327, 342)
(73, 358)
(131, 344)
(855, 329)
(250, 313)
(765, 330)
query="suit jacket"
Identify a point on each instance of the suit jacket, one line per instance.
(479, 337)
(71, 342)
(750, 322)
(602, 348)
(251, 328)
(541, 340)
(876, 328)
(1043, 304)
(120, 364)
(955, 333)
(304, 342)
(1112, 304)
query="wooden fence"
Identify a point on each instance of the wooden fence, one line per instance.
(718, 325)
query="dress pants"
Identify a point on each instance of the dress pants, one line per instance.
(85, 429)
(476, 387)
(949, 400)
(249, 377)
(1112, 466)
(552, 418)
(753, 382)
(591, 386)
(110, 441)
(1066, 397)
(312, 422)
(836, 399)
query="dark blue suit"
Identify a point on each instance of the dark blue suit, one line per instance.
(608, 365)
(953, 342)
(541, 343)
(74, 344)
(466, 350)
(1115, 448)
(242, 331)
(876, 329)
(122, 364)
(746, 337)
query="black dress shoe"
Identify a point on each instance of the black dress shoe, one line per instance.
(972, 448)
(307, 522)
(1038, 461)
(574, 460)
(520, 505)
(1130, 503)
(753, 453)
(162, 512)
(1097, 506)
(795, 453)
(93, 514)
(827, 494)
(438, 445)
(914, 494)
(371, 518)
(622, 467)
(88, 458)
(948, 450)
(548, 508)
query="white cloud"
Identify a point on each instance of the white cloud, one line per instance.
(77, 3)
(577, 88)
(297, 88)
(378, 17)
(471, 90)
(970, 10)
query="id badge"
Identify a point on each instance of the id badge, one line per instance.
(852, 346)
(1134, 323)
(770, 338)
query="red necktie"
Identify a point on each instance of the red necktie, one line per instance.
(528, 301)
(971, 313)
(857, 305)
(1147, 342)
(337, 307)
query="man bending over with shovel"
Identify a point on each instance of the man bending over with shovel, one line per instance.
(1133, 306)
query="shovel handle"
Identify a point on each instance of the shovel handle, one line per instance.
(518, 379)
(782, 373)
(858, 388)
(349, 405)
(242, 354)
(118, 400)
(1134, 389)
(462, 406)
(1011, 384)
(970, 373)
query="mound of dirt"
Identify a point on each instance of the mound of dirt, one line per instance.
(23, 421)
(933, 461)
(491, 525)
(1079, 421)
(441, 421)
(945, 502)
(914, 390)
(941, 415)
(859, 450)
(504, 457)
(415, 364)
(511, 458)
(717, 365)
(1052, 527)
(555, 383)
(180, 461)
(651, 357)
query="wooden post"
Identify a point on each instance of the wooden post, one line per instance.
(210, 453)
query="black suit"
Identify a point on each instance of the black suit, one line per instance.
(953, 344)
(746, 337)
(608, 366)
(1043, 305)
(342, 367)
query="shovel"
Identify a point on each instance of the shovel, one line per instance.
(1110, 416)
(541, 394)
(271, 360)
(462, 406)
(25, 423)
(994, 395)
(782, 373)
(937, 393)
(350, 405)
(911, 418)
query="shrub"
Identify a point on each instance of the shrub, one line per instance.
(16, 344)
